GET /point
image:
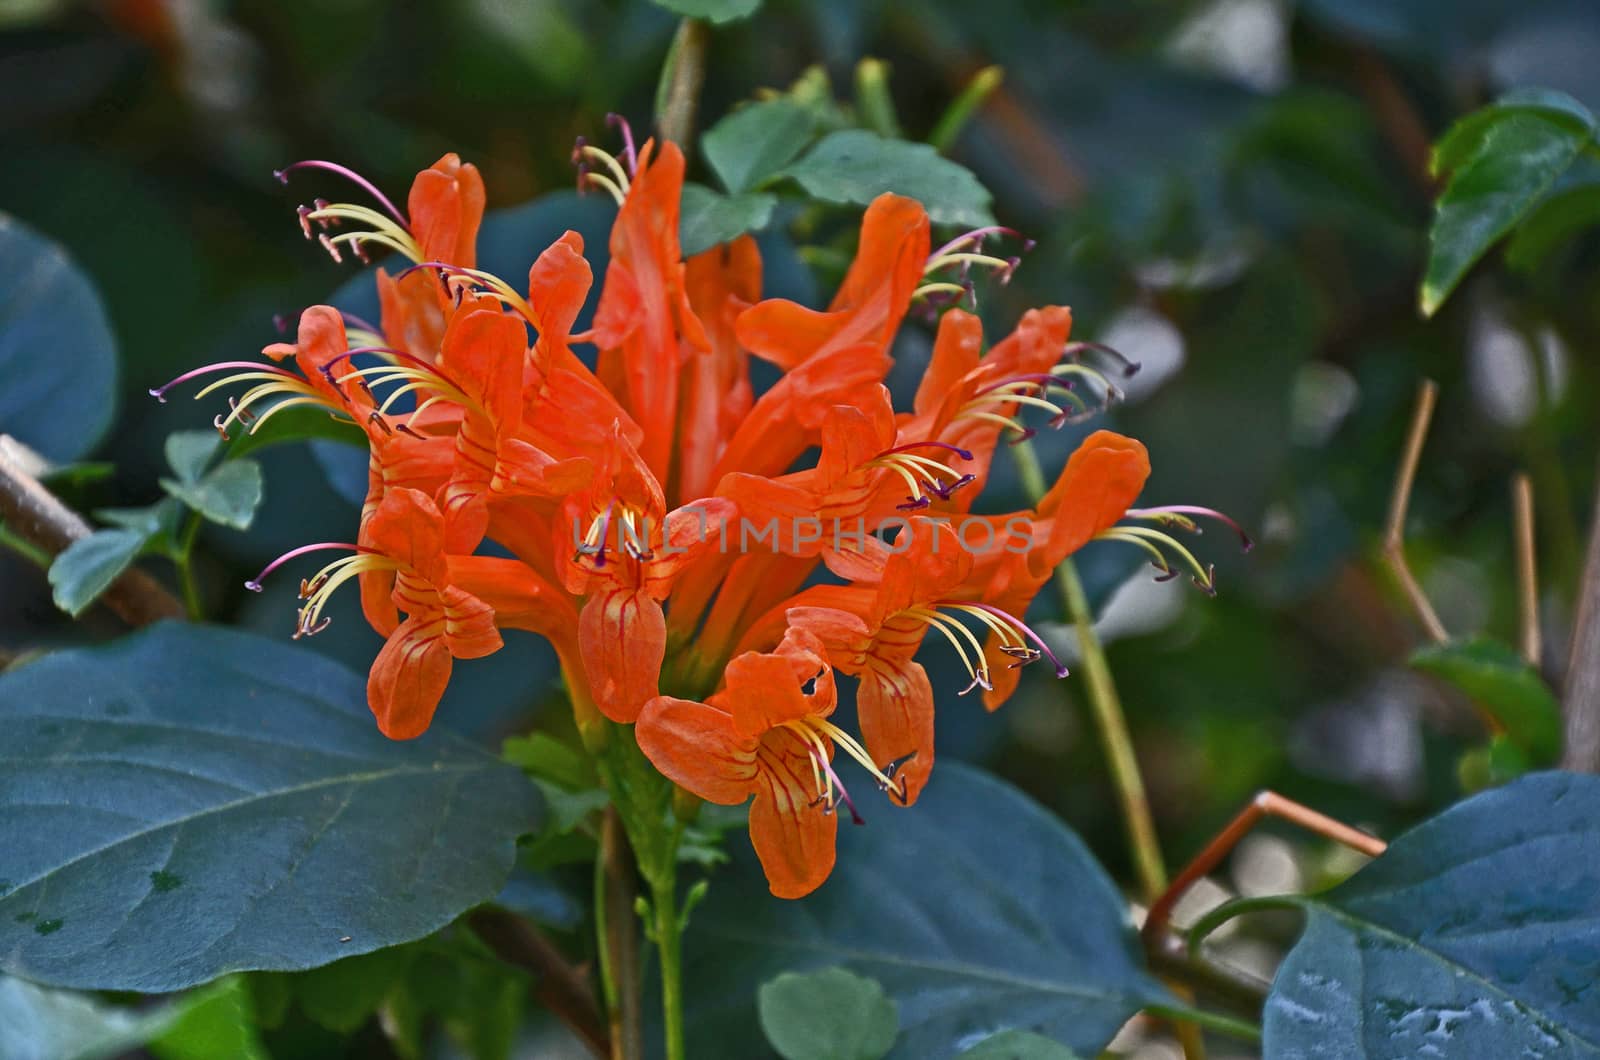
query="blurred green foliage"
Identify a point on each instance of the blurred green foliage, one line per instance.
(1235, 192)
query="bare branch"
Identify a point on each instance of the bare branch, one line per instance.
(1527, 570)
(1265, 804)
(37, 516)
(1399, 501)
(1581, 704)
(559, 986)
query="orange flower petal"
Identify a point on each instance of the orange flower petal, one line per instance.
(793, 838)
(408, 677)
(445, 207)
(895, 710)
(408, 528)
(1102, 478)
(622, 634)
(695, 746)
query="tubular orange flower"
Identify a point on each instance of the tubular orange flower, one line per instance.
(766, 733)
(665, 523)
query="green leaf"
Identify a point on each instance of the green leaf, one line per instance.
(547, 758)
(87, 567)
(189, 453)
(190, 801)
(229, 495)
(57, 354)
(1512, 161)
(297, 425)
(975, 908)
(856, 166)
(833, 1014)
(756, 141)
(707, 218)
(217, 1021)
(715, 11)
(1557, 218)
(1466, 137)
(1505, 685)
(1018, 1045)
(1477, 934)
(343, 995)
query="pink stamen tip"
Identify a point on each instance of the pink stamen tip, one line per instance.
(1023, 435)
(629, 155)
(254, 584)
(1061, 669)
(349, 174)
(843, 795)
(159, 393)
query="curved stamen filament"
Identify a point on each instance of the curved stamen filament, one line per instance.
(254, 584)
(335, 574)
(817, 732)
(1005, 623)
(501, 289)
(955, 633)
(977, 237)
(1204, 577)
(619, 123)
(940, 287)
(1178, 514)
(941, 261)
(351, 175)
(160, 392)
(607, 159)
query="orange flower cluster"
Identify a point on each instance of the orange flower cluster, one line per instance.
(658, 533)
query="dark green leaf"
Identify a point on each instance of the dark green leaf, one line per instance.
(57, 354)
(296, 425)
(228, 495)
(190, 801)
(756, 141)
(856, 166)
(341, 996)
(1475, 935)
(717, 11)
(1515, 161)
(88, 566)
(833, 1014)
(1559, 217)
(1505, 685)
(976, 910)
(1465, 138)
(1018, 1045)
(707, 218)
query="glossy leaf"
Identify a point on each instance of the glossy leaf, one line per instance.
(1499, 679)
(856, 166)
(717, 11)
(1477, 934)
(833, 1014)
(189, 801)
(708, 217)
(1504, 160)
(975, 909)
(87, 567)
(217, 1021)
(756, 141)
(1562, 215)
(188, 453)
(58, 357)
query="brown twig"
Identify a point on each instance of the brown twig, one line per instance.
(1581, 702)
(685, 73)
(1397, 117)
(1527, 569)
(1265, 804)
(620, 938)
(1394, 551)
(37, 516)
(558, 985)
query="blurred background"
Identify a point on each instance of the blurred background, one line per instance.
(1233, 192)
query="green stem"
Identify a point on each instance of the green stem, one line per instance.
(669, 939)
(1214, 1021)
(1105, 705)
(183, 559)
(678, 95)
